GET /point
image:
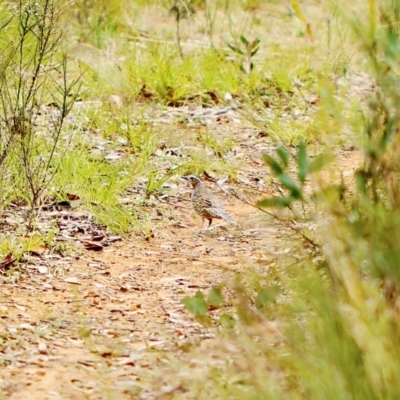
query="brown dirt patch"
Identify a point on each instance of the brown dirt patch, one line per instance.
(79, 340)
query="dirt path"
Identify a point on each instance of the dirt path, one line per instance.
(122, 310)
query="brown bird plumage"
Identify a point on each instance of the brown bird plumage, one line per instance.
(205, 203)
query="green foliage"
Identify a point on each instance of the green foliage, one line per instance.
(154, 183)
(246, 50)
(280, 169)
(203, 308)
(348, 336)
(265, 297)
(100, 184)
(339, 330)
(33, 74)
(215, 297)
(95, 21)
(198, 307)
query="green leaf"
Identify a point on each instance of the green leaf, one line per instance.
(215, 297)
(254, 52)
(244, 40)
(196, 305)
(299, 14)
(204, 320)
(319, 162)
(279, 202)
(302, 162)
(290, 185)
(227, 321)
(5, 24)
(283, 155)
(254, 44)
(235, 49)
(273, 164)
(266, 296)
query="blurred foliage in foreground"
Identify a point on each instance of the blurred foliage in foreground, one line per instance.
(338, 313)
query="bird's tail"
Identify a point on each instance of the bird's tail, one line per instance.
(222, 214)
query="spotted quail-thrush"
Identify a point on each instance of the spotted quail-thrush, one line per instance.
(204, 202)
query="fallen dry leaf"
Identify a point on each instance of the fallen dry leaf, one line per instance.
(8, 261)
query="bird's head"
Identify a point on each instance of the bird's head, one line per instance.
(192, 179)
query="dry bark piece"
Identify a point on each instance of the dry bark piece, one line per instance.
(72, 279)
(92, 245)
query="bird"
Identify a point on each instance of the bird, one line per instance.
(205, 203)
